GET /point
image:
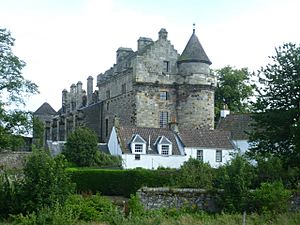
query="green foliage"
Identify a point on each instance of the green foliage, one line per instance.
(271, 197)
(90, 208)
(119, 182)
(236, 179)
(278, 108)
(135, 206)
(105, 160)
(81, 147)
(195, 174)
(13, 89)
(38, 132)
(233, 89)
(7, 193)
(45, 181)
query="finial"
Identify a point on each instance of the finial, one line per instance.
(194, 28)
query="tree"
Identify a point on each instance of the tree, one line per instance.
(81, 147)
(13, 88)
(277, 121)
(233, 89)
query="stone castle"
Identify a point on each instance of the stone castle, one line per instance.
(152, 87)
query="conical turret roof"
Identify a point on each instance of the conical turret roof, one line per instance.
(194, 51)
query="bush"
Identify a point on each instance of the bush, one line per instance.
(271, 197)
(119, 182)
(236, 179)
(195, 174)
(45, 181)
(81, 147)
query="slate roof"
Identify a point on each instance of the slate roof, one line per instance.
(238, 124)
(126, 134)
(194, 52)
(45, 109)
(206, 139)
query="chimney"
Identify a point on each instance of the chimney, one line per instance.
(89, 90)
(79, 94)
(122, 53)
(173, 125)
(143, 42)
(224, 112)
(72, 97)
(64, 100)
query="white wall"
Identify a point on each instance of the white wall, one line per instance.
(152, 161)
(242, 145)
(209, 155)
(113, 144)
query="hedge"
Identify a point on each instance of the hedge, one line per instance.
(119, 182)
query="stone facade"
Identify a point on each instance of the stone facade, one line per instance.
(149, 87)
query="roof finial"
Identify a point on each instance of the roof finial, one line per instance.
(194, 28)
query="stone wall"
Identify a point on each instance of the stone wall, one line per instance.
(12, 160)
(156, 198)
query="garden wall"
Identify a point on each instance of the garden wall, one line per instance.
(12, 160)
(156, 198)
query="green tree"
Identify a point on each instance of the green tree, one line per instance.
(13, 89)
(233, 89)
(236, 179)
(38, 132)
(195, 174)
(277, 121)
(81, 147)
(46, 181)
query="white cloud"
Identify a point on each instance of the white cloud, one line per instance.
(64, 46)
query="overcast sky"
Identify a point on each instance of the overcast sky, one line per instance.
(65, 41)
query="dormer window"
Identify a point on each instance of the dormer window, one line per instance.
(138, 148)
(164, 146)
(138, 145)
(165, 149)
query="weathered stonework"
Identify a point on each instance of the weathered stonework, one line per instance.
(157, 198)
(130, 91)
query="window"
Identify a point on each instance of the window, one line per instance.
(107, 106)
(106, 127)
(200, 155)
(165, 149)
(138, 148)
(163, 119)
(123, 88)
(218, 155)
(137, 157)
(108, 94)
(166, 67)
(163, 95)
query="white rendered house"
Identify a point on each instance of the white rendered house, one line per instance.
(151, 148)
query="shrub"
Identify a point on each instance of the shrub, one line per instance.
(135, 206)
(81, 147)
(119, 182)
(45, 181)
(236, 179)
(195, 174)
(271, 197)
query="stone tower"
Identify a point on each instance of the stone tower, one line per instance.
(196, 94)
